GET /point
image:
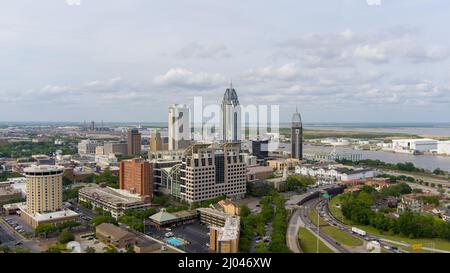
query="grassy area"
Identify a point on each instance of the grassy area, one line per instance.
(334, 232)
(308, 242)
(312, 134)
(438, 243)
(342, 237)
(313, 217)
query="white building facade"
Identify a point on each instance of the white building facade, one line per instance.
(418, 145)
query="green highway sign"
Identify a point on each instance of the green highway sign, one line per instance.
(326, 195)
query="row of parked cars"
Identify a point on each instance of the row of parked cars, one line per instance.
(15, 225)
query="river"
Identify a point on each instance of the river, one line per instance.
(429, 162)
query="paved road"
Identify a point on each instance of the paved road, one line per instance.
(331, 220)
(424, 177)
(5, 235)
(292, 232)
(426, 188)
(327, 240)
(82, 210)
(295, 222)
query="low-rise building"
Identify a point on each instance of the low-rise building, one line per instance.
(112, 200)
(378, 183)
(281, 163)
(334, 172)
(8, 192)
(53, 218)
(146, 246)
(259, 172)
(224, 230)
(409, 202)
(230, 207)
(115, 236)
(164, 219)
(417, 145)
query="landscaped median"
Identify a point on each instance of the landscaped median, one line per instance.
(341, 237)
(308, 242)
(313, 217)
(335, 233)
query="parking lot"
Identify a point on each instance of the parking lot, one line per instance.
(5, 235)
(94, 243)
(18, 224)
(196, 234)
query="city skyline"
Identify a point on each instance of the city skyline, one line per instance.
(338, 62)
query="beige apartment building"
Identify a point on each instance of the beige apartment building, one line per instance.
(209, 171)
(44, 196)
(44, 188)
(115, 147)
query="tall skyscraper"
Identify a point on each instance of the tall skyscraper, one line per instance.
(136, 176)
(179, 127)
(297, 136)
(231, 116)
(44, 188)
(134, 142)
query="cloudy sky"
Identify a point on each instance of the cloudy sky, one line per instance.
(113, 60)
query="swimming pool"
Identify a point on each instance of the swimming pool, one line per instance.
(175, 241)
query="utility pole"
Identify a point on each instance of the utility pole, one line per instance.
(318, 230)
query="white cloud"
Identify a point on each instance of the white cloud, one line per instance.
(196, 50)
(73, 2)
(183, 78)
(373, 2)
(370, 53)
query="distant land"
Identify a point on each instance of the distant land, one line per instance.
(440, 129)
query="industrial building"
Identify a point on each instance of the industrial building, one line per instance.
(415, 145)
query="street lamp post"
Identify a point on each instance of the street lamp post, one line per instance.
(318, 230)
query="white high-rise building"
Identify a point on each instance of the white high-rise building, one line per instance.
(231, 116)
(179, 127)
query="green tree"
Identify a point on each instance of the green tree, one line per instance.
(245, 211)
(90, 250)
(103, 219)
(65, 237)
(45, 229)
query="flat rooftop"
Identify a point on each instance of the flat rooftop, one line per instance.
(8, 190)
(55, 215)
(111, 195)
(214, 212)
(231, 229)
(43, 169)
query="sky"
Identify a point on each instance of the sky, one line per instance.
(113, 60)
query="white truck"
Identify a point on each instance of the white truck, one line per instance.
(359, 231)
